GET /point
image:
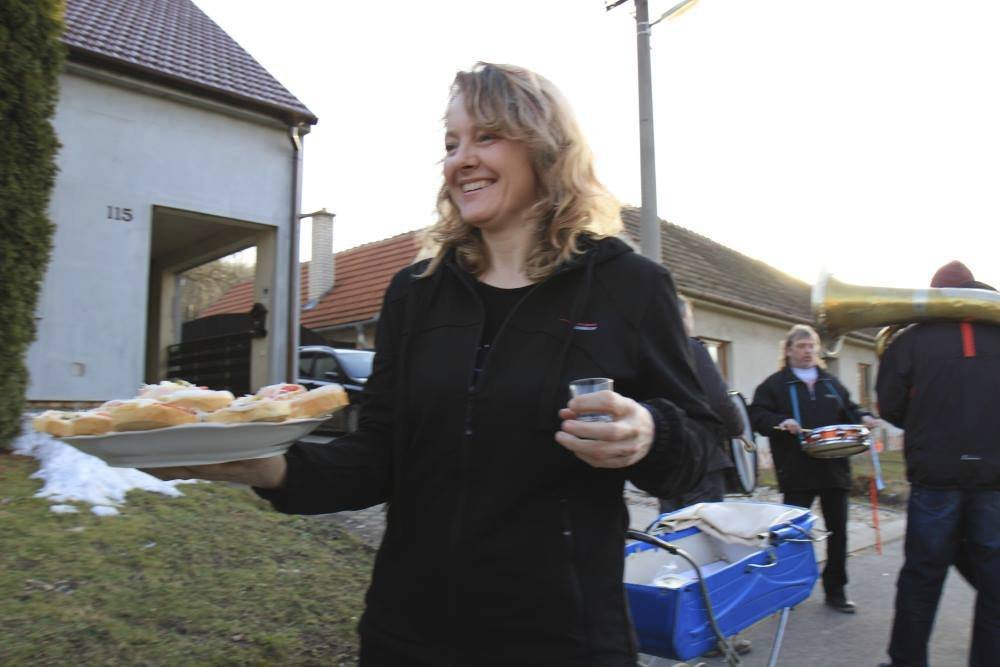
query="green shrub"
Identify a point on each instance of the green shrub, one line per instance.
(30, 59)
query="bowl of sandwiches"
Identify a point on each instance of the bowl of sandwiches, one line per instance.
(175, 423)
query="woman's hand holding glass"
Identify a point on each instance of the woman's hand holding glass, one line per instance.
(606, 444)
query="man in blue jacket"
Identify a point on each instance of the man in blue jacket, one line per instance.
(940, 381)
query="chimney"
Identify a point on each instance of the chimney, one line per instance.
(321, 264)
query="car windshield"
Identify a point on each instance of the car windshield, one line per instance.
(357, 363)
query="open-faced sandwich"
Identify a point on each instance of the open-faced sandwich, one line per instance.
(143, 414)
(63, 424)
(251, 409)
(186, 395)
(319, 402)
(278, 402)
(272, 403)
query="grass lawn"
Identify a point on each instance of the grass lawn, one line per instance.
(215, 577)
(896, 488)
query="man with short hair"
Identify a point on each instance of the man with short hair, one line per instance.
(940, 382)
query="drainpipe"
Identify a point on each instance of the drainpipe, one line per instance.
(292, 356)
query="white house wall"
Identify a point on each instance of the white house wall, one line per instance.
(125, 148)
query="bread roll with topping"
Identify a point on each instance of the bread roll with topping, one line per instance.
(186, 395)
(144, 414)
(280, 392)
(64, 424)
(320, 401)
(251, 409)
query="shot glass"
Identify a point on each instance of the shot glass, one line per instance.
(589, 386)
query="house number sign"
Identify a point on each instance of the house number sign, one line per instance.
(119, 213)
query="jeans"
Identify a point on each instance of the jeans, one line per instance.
(939, 523)
(833, 503)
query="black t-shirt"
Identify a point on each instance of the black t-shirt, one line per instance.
(497, 302)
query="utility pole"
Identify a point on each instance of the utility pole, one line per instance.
(649, 221)
(649, 224)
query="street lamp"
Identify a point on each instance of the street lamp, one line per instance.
(649, 226)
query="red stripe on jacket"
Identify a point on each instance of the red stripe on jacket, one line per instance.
(968, 340)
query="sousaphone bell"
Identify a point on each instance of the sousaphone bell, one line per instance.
(839, 308)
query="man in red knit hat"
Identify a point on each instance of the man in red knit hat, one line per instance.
(940, 382)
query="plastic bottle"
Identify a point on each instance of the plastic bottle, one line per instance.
(668, 575)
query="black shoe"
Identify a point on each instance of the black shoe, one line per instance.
(741, 646)
(841, 604)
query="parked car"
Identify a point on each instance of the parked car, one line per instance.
(321, 365)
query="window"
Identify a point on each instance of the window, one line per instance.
(305, 364)
(325, 365)
(719, 350)
(865, 386)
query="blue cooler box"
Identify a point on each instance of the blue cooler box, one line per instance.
(745, 584)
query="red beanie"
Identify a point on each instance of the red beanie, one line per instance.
(952, 274)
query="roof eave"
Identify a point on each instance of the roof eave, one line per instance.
(283, 113)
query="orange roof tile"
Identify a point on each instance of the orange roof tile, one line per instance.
(362, 276)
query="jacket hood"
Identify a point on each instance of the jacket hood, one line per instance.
(595, 250)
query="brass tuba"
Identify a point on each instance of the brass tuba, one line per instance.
(839, 308)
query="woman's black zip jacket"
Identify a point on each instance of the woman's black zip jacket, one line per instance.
(501, 547)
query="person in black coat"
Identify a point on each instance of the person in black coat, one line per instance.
(712, 487)
(803, 395)
(505, 529)
(940, 382)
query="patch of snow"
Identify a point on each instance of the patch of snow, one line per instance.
(69, 475)
(64, 509)
(104, 510)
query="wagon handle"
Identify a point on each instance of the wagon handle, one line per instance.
(771, 563)
(808, 539)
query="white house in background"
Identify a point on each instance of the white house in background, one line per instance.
(177, 148)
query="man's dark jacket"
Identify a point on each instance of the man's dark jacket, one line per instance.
(501, 547)
(772, 404)
(717, 396)
(940, 382)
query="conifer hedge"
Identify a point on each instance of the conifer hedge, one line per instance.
(30, 59)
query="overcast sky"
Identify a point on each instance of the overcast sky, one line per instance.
(858, 135)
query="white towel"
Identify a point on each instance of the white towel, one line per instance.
(744, 523)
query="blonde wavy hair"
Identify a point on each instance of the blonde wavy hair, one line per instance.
(519, 105)
(795, 333)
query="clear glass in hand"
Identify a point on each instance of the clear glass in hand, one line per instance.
(589, 386)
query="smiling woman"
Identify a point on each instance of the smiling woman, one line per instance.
(515, 154)
(489, 178)
(504, 540)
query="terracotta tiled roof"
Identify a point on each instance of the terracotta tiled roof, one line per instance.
(706, 269)
(238, 299)
(702, 268)
(174, 43)
(362, 276)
